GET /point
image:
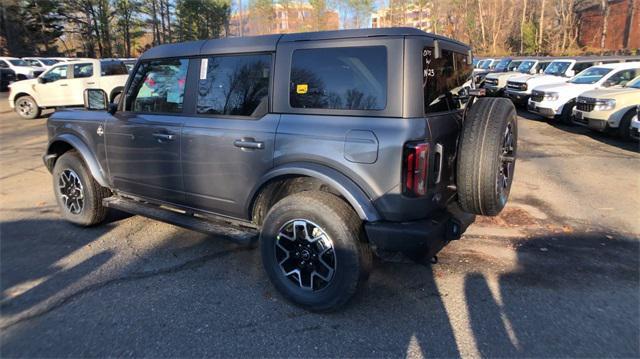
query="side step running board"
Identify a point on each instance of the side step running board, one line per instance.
(241, 235)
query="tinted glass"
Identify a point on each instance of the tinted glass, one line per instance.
(502, 65)
(557, 68)
(56, 73)
(82, 71)
(350, 78)
(622, 77)
(526, 66)
(443, 79)
(110, 68)
(33, 63)
(581, 66)
(635, 83)
(234, 85)
(513, 65)
(590, 76)
(158, 87)
(3, 64)
(18, 63)
(48, 62)
(542, 66)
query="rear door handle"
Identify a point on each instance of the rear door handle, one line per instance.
(64, 85)
(164, 136)
(249, 143)
(91, 83)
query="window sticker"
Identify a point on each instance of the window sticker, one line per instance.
(204, 64)
(302, 89)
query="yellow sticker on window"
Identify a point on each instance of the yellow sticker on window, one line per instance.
(302, 89)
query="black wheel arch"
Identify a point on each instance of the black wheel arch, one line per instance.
(67, 142)
(116, 90)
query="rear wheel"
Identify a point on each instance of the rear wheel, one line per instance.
(312, 250)
(78, 195)
(27, 108)
(487, 156)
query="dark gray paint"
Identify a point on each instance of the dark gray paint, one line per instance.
(357, 153)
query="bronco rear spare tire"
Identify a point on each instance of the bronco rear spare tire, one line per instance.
(486, 156)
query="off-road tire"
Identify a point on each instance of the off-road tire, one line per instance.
(27, 101)
(480, 155)
(624, 128)
(93, 212)
(339, 221)
(567, 113)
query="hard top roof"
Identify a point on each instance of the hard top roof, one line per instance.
(266, 43)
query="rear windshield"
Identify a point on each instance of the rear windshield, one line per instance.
(557, 68)
(346, 78)
(442, 80)
(110, 68)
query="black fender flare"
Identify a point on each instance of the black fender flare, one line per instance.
(354, 195)
(85, 152)
(116, 90)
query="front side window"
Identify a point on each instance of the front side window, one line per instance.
(158, 87)
(557, 68)
(442, 80)
(502, 65)
(634, 84)
(82, 71)
(513, 65)
(581, 66)
(234, 85)
(55, 74)
(590, 75)
(48, 62)
(622, 77)
(111, 68)
(18, 63)
(349, 78)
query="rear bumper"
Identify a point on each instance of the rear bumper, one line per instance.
(427, 236)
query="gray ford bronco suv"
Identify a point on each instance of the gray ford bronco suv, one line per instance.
(324, 148)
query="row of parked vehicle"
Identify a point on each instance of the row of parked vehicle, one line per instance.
(17, 69)
(64, 82)
(601, 93)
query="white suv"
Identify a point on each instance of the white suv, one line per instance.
(64, 85)
(22, 69)
(43, 62)
(558, 100)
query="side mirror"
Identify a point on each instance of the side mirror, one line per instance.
(95, 100)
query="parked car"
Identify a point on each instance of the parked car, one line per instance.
(64, 85)
(495, 83)
(328, 146)
(635, 125)
(558, 100)
(7, 76)
(20, 67)
(519, 88)
(503, 65)
(42, 62)
(609, 108)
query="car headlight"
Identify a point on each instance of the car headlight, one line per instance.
(551, 96)
(605, 104)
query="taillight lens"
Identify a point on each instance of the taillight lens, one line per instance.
(416, 163)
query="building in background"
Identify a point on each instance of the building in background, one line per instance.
(622, 25)
(280, 19)
(410, 15)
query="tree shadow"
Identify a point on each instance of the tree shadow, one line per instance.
(572, 296)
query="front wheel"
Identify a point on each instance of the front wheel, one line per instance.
(312, 250)
(78, 195)
(27, 108)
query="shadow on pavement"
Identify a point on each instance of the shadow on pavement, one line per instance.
(569, 295)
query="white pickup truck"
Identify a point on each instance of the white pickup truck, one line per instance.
(64, 85)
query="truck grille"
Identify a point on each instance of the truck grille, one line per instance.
(585, 104)
(517, 86)
(537, 96)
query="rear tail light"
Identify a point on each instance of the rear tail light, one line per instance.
(416, 163)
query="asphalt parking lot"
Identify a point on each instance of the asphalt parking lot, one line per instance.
(556, 275)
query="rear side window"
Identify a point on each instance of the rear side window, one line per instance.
(158, 87)
(234, 85)
(442, 80)
(111, 68)
(580, 66)
(82, 71)
(349, 78)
